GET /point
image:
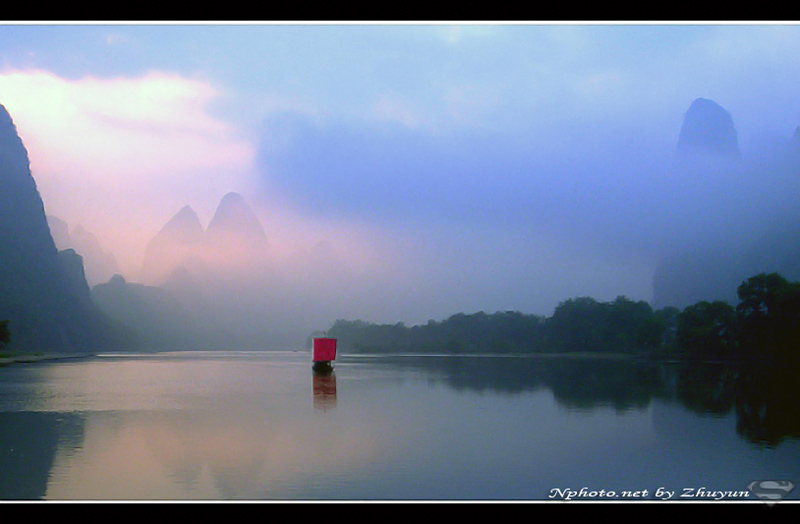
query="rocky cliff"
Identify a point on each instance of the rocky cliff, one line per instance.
(43, 294)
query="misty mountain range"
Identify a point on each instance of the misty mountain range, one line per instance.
(234, 239)
(222, 287)
(756, 239)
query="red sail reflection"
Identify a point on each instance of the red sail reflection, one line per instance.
(324, 390)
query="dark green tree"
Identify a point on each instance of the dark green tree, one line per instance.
(768, 315)
(585, 324)
(708, 329)
(633, 325)
(668, 319)
(578, 324)
(5, 334)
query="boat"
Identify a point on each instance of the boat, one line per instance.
(323, 354)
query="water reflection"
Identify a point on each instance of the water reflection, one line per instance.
(324, 383)
(761, 395)
(30, 441)
(167, 428)
(202, 455)
(242, 428)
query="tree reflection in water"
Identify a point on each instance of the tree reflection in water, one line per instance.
(761, 395)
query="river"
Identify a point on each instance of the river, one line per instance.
(262, 426)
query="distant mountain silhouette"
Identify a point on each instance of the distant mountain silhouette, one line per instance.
(184, 227)
(707, 129)
(200, 288)
(747, 239)
(235, 218)
(159, 320)
(43, 293)
(234, 238)
(231, 284)
(176, 244)
(99, 264)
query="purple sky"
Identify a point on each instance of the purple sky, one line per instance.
(484, 167)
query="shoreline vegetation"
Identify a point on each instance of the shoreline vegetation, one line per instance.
(15, 357)
(763, 326)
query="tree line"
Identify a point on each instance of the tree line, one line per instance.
(766, 321)
(5, 334)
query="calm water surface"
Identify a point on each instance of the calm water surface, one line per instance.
(264, 426)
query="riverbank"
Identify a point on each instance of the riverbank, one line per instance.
(26, 358)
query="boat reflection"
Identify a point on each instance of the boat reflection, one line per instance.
(324, 390)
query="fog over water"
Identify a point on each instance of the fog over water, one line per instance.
(408, 172)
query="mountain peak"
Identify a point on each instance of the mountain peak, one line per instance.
(184, 226)
(708, 128)
(234, 215)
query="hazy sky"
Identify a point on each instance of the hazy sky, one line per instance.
(495, 166)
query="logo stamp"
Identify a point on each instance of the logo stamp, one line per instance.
(770, 490)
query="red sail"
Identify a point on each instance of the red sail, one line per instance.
(324, 349)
